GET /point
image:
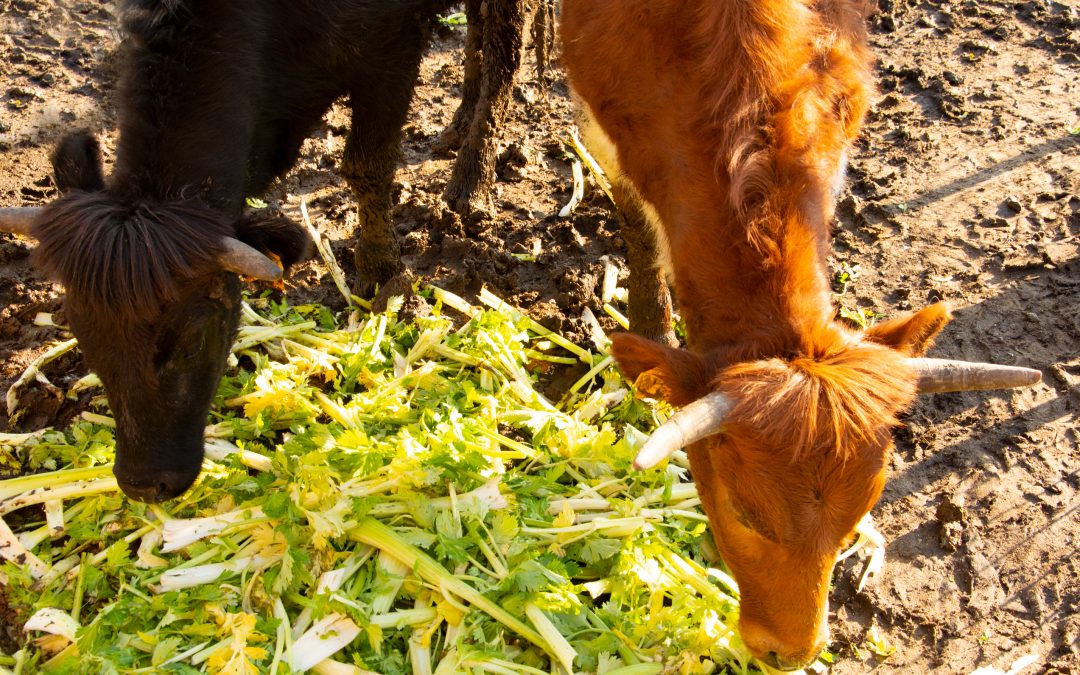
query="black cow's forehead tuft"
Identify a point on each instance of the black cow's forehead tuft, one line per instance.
(127, 258)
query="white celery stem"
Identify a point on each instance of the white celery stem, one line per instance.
(34, 370)
(563, 652)
(70, 491)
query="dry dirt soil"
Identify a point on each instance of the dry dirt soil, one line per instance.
(964, 188)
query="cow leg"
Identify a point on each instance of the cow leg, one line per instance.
(474, 171)
(649, 302)
(453, 135)
(371, 154)
(543, 34)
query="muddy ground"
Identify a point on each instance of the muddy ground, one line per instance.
(964, 189)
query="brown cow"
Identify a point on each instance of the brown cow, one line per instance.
(725, 125)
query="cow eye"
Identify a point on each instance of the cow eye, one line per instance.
(752, 521)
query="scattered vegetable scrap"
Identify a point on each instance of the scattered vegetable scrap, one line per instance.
(386, 497)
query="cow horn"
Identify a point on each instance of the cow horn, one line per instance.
(244, 260)
(700, 419)
(18, 219)
(941, 375)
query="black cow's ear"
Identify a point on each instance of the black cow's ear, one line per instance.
(272, 232)
(77, 163)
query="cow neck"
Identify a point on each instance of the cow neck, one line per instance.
(186, 119)
(731, 295)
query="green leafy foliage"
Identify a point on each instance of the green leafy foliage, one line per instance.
(431, 428)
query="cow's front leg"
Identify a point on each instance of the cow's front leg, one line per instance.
(474, 171)
(454, 134)
(650, 301)
(371, 155)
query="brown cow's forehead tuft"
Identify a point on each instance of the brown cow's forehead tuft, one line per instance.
(126, 258)
(833, 405)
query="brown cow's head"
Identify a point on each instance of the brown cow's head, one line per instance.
(152, 296)
(790, 456)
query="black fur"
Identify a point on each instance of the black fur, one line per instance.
(215, 100)
(77, 163)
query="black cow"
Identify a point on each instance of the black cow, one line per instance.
(216, 97)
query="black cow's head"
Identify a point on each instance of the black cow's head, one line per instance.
(153, 296)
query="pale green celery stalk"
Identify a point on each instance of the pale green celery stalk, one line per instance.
(90, 381)
(98, 558)
(330, 635)
(611, 280)
(206, 652)
(419, 653)
(95, 418)
(597, 404)
(23, 484)
(330, 582)
(32, 538)
(639, 669)
(380, 333)
(54, 516)
(338, 413)
(394, 573)
(693, 575)
(593, 372)
(248, 314)
(541, 356)
(327, 254)
(650, 514)
(564, 653)
(17, 440)
(596, 333)
(678, 492)
(577, 504)
(619, 317)
(360, 302)
(404, 617)
(178, 533)
(218, 449)
(427, 341)
(282, 639)
(626, 649)
(313, 355)
(34, 371)
(58, 569)
(176, 658)
(11, 549)
(332, 667)
(614, 527)
(329, 342)
(460, 357)
(578, 190)
(454, 301)
(249, 336)
(176, 579)
(597, 173)
(497, 303)
(374, 533)
(67, 491)
(525, 451)
(490, 664)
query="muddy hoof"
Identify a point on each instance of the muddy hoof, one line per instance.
(448, 142)
(375, 266)
(472, 208)
(411, 306)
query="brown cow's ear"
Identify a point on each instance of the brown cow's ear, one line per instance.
(674, 375)
(911, 334)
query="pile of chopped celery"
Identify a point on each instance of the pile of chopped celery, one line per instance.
(384, 497)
